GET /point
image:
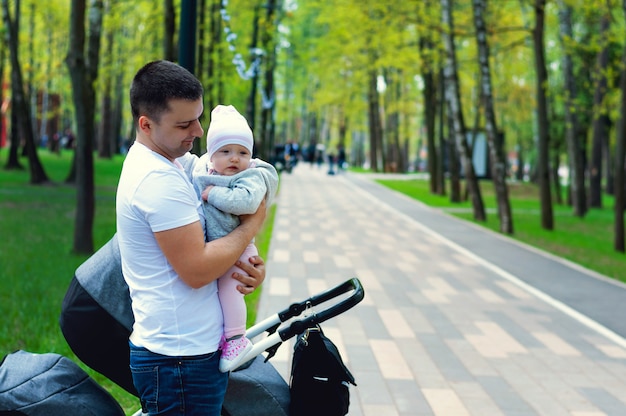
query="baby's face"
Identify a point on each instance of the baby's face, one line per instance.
(231, 159)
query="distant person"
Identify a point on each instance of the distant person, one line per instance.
(341, 158)
(55, 143)
(331, 163)
(70, 140)
(232, 184)
(292, 153)
(310, 154)
(320, 150)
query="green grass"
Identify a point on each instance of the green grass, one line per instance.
(586, 241)
(37, 225)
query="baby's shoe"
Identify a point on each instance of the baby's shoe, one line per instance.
(233, 352)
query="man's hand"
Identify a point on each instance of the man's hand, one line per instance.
(256, 274)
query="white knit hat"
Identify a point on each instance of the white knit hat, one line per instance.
(228, 127)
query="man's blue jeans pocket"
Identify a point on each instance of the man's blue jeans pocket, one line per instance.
(178, 385)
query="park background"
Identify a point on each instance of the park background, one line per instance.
(525, 136)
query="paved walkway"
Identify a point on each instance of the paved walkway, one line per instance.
(456, 320)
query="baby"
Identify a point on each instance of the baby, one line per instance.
(231, 183)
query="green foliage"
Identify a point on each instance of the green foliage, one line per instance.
(586, 241)
(326, 50)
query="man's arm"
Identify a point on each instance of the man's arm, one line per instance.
(197, 262)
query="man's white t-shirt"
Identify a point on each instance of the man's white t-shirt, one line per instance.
(171, 318)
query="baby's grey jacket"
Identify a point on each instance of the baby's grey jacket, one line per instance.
(234, 195)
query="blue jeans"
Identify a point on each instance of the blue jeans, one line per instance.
(179, 386)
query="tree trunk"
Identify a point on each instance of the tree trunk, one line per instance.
(106, 123)
(254, 79)
(574, 151)
(202, 29)
(441, 149)
(496, 157)
(392, 124)
(187, 43)
(343, 126)
(600, 131)
(547, 219)
(268, 99)
(205, 25)
(554, 174)
(608, 170)
(106, 133)
(13, 160)
(31, 90)
(83, 73)
(215, 31)
(20, 108)
(456, 112)
(169, 46)
(430, 111)
(620, 155)
(430, 106)
(375, 127)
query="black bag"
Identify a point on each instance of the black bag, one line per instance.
(319, 378)
(51, 385)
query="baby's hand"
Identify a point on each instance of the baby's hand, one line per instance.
(205, 193)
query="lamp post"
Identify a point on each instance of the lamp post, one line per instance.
(187, 35)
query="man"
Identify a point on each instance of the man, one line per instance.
(170, 270)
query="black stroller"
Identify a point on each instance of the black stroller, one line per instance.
(96, 321)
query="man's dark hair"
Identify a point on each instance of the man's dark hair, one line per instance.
(158, 82)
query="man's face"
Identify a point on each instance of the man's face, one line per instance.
(173, 135)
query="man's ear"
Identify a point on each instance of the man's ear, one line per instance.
(144, 124)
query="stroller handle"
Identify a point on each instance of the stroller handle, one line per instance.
(276, 334)
(297, 327)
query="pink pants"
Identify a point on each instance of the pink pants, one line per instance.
(233, 304)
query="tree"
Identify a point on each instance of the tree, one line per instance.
(498, 164)
(13, 160)
(458, 130)
(267, 128)
(375, 122)
(254, 77)
(429, 69)
(107, 133)
(543, 171)
(21, 112)
(601, 120)
(620, 155)
(574, 150)
(169, 25)
(83, 72)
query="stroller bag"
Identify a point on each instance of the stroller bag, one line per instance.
(51, 385)
(319, 378)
